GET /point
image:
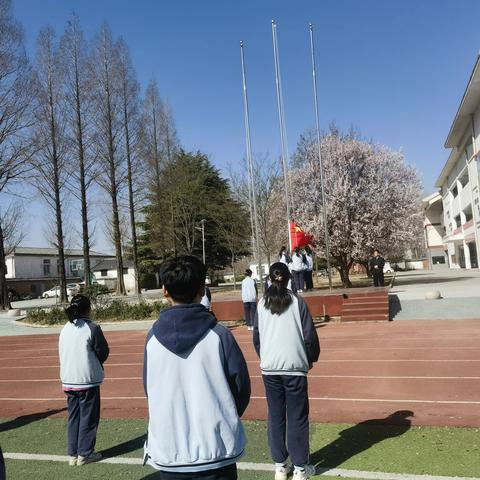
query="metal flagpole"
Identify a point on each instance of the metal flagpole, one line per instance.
(250, 163)
(322, 183)
(281, 121)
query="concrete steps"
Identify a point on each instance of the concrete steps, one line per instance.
(365, 306)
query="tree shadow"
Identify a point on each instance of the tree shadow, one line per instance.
(414, 280)
(394, 306)
(359, 438)
(125, 447)
(27, 419)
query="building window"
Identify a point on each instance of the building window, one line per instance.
(104, 273)
(464, 178)
(438, 260)
(46, 267)
(76, 267)
(125, 270)
(455, 191)
(468, 214)
(458, 221)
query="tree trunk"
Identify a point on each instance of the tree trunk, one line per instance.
(343, 267)
(117, 237)
(233, 269)
(4, 300)
(58, 202)
(83, 186)
(130, 197)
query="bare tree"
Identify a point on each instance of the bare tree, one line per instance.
(77, 99)
(130, 109)
(108, 106)
(11, 224)
(49, 159)
(15, 101)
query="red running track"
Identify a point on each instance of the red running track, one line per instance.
(366, 371)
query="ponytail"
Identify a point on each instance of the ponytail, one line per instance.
(277, 297)
(79, 307)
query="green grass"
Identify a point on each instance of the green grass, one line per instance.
(416, 450)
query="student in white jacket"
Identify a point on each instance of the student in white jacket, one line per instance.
(249, 298)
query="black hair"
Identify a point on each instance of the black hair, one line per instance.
(183, 277)
(308, 250)
(79, 307)
(297, 250)
(277, 297)
(282, 251)
(248, 272)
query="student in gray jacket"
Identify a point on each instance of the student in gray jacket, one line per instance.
(286, 341)
(196, 381)
(83, 351)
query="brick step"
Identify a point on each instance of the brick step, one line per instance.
(360, 318)
(366, 301)
(359, 296)
(372, 309)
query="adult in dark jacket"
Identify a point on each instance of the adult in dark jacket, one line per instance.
(377, 262)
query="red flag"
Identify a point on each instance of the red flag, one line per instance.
(299, 238)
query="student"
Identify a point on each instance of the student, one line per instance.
(206, 300)
(377, 263)
(249, 298)
(83, 350)
(196, 381)
(283, 256)
(298, 266)
(286, 341)
(308, 273)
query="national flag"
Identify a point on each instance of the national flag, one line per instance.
(299, 238)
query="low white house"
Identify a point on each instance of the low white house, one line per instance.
(32, 270)
(105, 273)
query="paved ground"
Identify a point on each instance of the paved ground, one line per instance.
(460, 290)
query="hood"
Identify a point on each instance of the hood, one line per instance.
(181, 327)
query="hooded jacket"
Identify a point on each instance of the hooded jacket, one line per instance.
(197, 383)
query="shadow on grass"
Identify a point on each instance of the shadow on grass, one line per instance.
(361, 437)
(27, 419)
(125, 447)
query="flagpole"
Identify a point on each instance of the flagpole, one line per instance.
(322, 183)
(250, 163)
(281, 121)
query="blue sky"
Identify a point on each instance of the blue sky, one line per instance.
(396, 70)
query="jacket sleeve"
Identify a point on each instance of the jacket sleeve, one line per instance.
(145, 361)
(310, 337)
(235, 368)
(99, 343)
(256, 334)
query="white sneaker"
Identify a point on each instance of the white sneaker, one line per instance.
(250, 328)
(72, 461)
(304, 472)
(281, 473)
(93, 457)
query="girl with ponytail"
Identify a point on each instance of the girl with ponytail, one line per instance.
(286, 341)
(83, 350)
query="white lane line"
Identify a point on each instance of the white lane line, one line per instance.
(329, 399)
(381, 377)
(353, 360)
(265, 467)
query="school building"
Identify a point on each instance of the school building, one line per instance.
(456, 217)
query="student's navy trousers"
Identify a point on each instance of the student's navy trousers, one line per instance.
(298, 279)
(250, 309)
(226, 473)
(287, 399)
(83, 418)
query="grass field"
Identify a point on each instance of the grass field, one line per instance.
(378, 448)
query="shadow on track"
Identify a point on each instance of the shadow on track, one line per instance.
(27, 419)
(361, 437)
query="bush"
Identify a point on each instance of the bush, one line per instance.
(54, 316)
(94, 291)
(116, 310)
